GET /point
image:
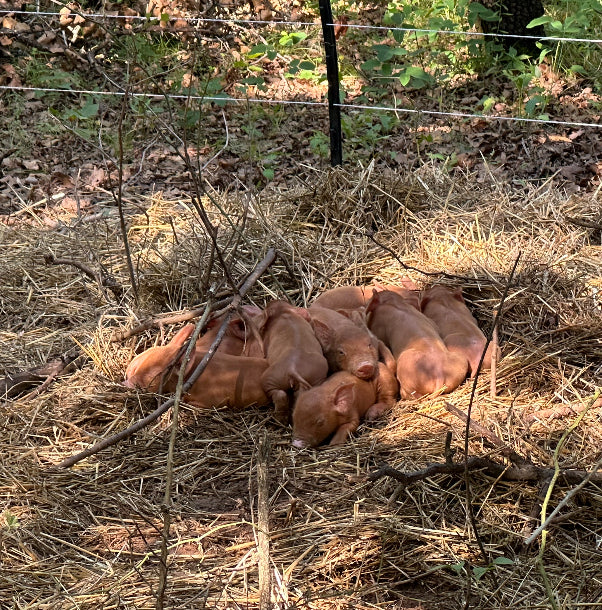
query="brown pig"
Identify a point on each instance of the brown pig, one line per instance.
(293, 352)
(147, 369)
(358, 316)
(352, 297)
(337, 406)
(456, 325)
(233, 381)
(346, 345)
(240, 338)
(424, 364)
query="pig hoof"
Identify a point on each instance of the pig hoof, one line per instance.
(376, 411)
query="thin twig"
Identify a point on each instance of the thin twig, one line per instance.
(494, 355)
(493, 438)
(102, 279)
(525, 472)
(469, 505)
(119, 197)
(166, 320)
(151, 417)
(263, 523)
(571, 493)
(166, 508)
(370, 235)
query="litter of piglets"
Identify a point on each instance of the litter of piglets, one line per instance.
(348, 357)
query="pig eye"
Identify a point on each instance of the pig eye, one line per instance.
(341, 352)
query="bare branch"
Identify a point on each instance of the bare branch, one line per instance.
(151, 417)
(102, 279)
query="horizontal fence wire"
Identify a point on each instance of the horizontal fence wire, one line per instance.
(218, 99)
(198, 20)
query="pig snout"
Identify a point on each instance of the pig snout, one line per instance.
(128, 383)
(300, 443)
(365, 370)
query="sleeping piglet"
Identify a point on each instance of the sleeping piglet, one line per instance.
(456, 325)
(294, 354)
(147, 369)
(352, 297)
(424, 364)
(233, 381)
(346, 345)
(336, 406)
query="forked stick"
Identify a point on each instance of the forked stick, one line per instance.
(151, 417)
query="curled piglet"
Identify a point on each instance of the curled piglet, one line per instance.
(346, 345)
(295, 357)
(333, 410)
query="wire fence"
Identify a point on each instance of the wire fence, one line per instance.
(350, 107)
(252, 100)
(199, 20)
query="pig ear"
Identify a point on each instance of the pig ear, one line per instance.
(457, 294)
(344, 312)
(302, 312)
(374, 302)
(237, 328)
(355, 315)
(359, 317)
(322, 332)
(343, 398)
(414, 300)
(251, 311)
(261, 320)
(424, 298)
(182, 335)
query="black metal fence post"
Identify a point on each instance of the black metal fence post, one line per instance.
(332, 73)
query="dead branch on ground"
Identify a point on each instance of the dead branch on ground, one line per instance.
(14, 384)
(112, 440)
(102, 279)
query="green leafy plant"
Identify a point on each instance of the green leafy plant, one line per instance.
(11, 520)
(479, 571)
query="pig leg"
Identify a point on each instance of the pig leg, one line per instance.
(376, 411)
(281, 402)
(344, 432)
(386, 357)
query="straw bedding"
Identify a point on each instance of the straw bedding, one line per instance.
(89, 537)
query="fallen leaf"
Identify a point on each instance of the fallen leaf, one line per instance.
(10, 23)
(10, 71)
(62, 180)
(47, 38)
(97, 177)
(32, 165)
(70, 204)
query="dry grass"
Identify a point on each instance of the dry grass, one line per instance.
(89, 537)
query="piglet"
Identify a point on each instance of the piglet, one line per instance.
(456, 325)
(336, 407)
(346, 345)
(294, 354)
(148, 369)
(424, 364)
(353, 297)
(233, 381)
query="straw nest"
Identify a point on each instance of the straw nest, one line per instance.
(89, 537)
